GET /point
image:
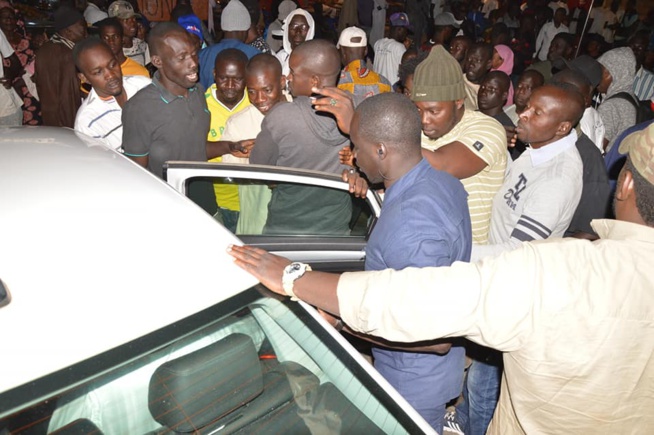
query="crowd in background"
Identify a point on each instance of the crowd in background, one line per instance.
(522, 105)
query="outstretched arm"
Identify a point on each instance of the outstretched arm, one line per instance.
(315, 288)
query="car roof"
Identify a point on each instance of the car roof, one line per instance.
(95, 252)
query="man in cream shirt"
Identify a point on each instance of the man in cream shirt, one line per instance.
(573, 318)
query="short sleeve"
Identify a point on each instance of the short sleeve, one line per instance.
(486, 138)
(137, 134)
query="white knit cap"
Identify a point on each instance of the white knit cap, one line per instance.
(285, 8)
(235, 17)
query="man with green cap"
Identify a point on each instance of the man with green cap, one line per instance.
(468, 145)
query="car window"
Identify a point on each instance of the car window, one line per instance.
(258, 207)
(250, 364)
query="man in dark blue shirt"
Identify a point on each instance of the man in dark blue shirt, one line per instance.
(424, 222)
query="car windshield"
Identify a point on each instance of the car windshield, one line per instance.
(249, 364)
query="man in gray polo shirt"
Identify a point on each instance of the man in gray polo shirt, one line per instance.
(169, 120)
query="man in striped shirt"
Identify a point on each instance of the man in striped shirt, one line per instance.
(99, 116)
(468, 145)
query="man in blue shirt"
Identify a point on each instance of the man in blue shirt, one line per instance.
(235, 23)
(424, 222)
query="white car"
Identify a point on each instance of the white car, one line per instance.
(121, 312)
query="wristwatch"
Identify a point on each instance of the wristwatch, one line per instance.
(291, 273)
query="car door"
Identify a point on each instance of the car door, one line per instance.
(325, 249)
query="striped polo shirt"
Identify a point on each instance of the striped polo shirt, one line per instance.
(486, 138)
(101, 118)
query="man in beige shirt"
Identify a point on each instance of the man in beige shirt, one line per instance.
(573, 318)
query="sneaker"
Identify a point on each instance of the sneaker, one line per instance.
(451, 425)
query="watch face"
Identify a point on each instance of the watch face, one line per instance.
(294, 267)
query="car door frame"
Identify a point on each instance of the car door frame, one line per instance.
(327, 253)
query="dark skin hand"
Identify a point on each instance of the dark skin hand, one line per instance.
(239, 149)
(511, 136)
(315, 288)
(15, 69)
(358, 184)
(214, 149)
(346, 156)
(343, 110)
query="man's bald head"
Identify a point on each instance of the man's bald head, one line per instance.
(385, 131)
(391, 119)
(162, 31)
(570, 100)
(536, 77)
(552, 112)
(319, 57)
(264, 62)
(576, 79)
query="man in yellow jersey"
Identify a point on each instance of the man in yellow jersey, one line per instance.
(225, 98)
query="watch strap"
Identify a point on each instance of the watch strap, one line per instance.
(289, 284)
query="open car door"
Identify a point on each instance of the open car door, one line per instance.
(335, 243)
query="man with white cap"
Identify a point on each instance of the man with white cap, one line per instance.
(444, 29)
(235, 22)
(298, 27)
(356, 78)
(275, 32)
(133, 47)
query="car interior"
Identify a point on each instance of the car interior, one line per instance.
(256, 370)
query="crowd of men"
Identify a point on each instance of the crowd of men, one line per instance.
(489, 127)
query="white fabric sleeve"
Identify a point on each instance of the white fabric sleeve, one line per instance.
(487, 302)
(5, 47)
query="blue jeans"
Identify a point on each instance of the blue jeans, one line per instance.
(481, 391)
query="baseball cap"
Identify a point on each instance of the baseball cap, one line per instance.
(192, 24)
(352, 37)
(446, 19)
(640, 147)
(399, 19)
(585, 65)
(285, 8)
(122, 9)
